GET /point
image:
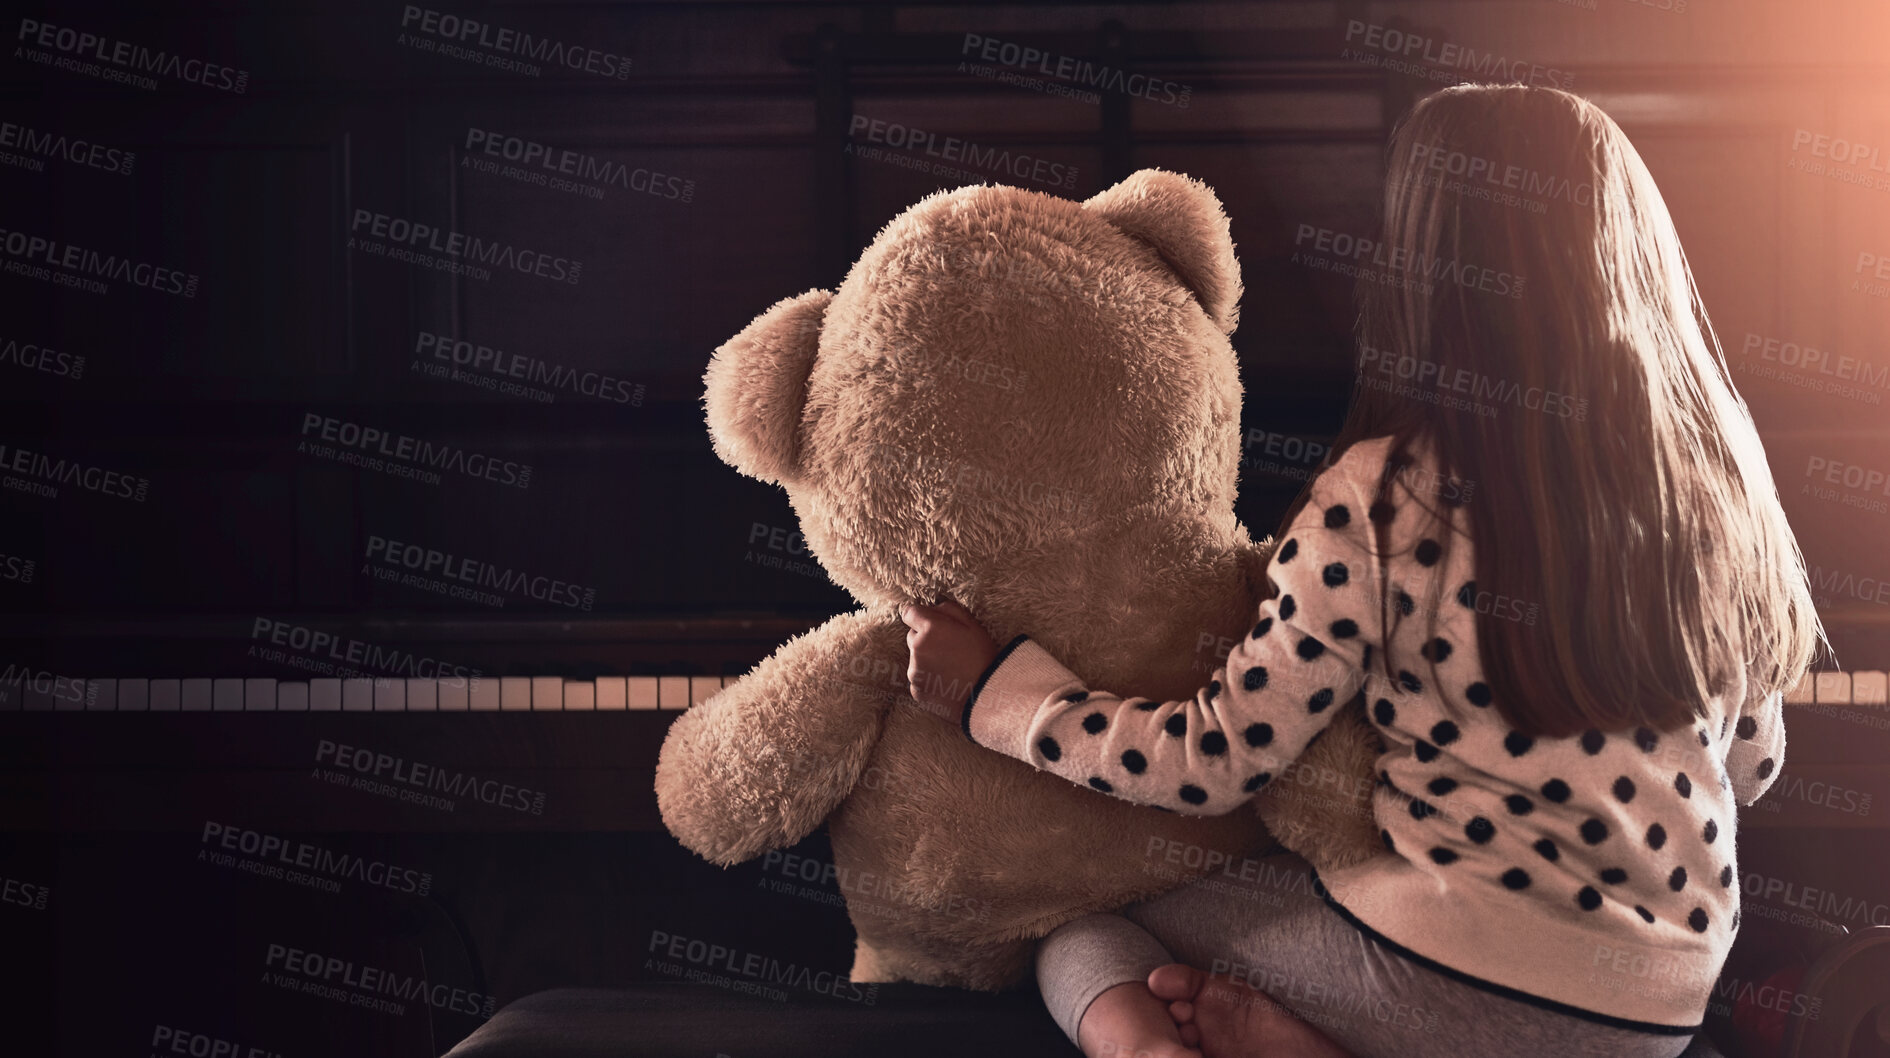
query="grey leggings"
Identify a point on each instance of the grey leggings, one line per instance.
(1282, 939)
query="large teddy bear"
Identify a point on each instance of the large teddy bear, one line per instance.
(1029, 404)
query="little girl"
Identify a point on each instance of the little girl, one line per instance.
(1550, 553)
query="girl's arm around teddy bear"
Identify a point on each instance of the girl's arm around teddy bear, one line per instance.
(1207, 755)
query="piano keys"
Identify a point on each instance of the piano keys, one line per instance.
(554, 694)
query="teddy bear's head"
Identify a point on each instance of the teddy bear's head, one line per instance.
(1004, 378)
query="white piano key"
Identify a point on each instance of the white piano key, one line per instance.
(515, 693)
(68, 694)
(642, 692)
(292, 697)
(579, 695)
(1832, 688)
(612, 693)
(36, 694)
(423, 696)
(1868, 688)
(357, 695)
(453, 694)
(701, 687)
(484, 693)
(101, 694)
(134, 696)
(166, 695)
(390, 696)
(1802, 693)
(548, 693)
(324, 696)
(672, 692)
(196, 695)
(226, 695)
(259, 696)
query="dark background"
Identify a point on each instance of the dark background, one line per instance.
(749, 105)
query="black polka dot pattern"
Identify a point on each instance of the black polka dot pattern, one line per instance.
(1382, 513)
(1095, 723)
(1344, 628)
(1288, 607)
(1309, 648)
(1194, 795)
(1213, 743)
(1384, 712)
(1256, 782)
(1099, 783)
(1320, 700)
(1593, 741)
(1287, 551)
(1614, 876)
(1444, 732)
(1518, 805)
(1133, 762)
(1556, 790)
(1261, 629)
(1443, 856)
(1656, 836)
(1338, 516)
(1405, 603)
(1697, 919)
(1335, 575)
(1258, 735)
(1436, 651)
(1409, 681)
(1255, 678)
(1594, 831)
(1076, 696)
(1518, 743)
(1624, 789)
(1683, 785)
(1049, 748)
(1589, 898)
(1176, 724)
(1428, 552)
(1515, 878)
(1478, 694)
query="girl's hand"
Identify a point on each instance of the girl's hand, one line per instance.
(949, 650)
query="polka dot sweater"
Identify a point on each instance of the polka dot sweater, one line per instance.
(1592, 874)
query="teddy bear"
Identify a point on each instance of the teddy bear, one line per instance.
(1029, 404)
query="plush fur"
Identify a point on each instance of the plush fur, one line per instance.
(1029, 404)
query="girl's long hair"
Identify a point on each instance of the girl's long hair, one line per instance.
(1528, 264)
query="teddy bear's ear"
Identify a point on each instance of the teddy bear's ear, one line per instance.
(1182, 219)
(756, 387)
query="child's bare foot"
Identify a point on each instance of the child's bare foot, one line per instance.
(1233, 1020)
(1127, 1021)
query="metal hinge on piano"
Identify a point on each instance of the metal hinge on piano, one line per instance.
(536, 694)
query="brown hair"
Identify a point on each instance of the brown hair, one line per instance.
(1620, 485)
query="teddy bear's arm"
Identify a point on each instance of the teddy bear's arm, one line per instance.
(759, 765)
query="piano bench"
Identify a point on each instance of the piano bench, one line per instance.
(670, 1019)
